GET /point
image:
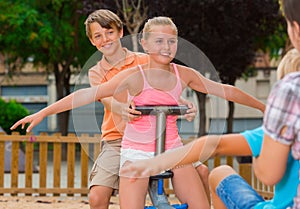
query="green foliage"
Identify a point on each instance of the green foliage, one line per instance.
(274, 42)
(51, 31)
(249, 72)
(18, 18)
(10, 113)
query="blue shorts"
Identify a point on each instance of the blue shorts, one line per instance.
(236, 193)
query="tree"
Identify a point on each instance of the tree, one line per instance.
(51, 34)
(134, 14)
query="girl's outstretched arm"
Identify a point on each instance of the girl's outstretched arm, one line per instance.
(236, 95)
(198, 82)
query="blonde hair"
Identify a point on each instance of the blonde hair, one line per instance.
(289, 63)
(105, 18)
(161, 20)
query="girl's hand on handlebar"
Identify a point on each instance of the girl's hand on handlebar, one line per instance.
(130, 114)
(191, 112)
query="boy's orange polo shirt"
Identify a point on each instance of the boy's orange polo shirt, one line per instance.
(113, 125)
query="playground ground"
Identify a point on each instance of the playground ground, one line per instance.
(31, 202)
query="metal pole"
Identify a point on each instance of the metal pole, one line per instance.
(160, 132)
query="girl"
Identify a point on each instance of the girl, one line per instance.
(159, 82)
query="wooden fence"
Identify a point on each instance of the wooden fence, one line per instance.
(88, 148)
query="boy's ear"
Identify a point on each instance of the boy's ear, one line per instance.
(92, 42)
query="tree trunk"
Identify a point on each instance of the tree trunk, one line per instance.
(229, 119)
(202, 112)
(135, 46)
(63, 89)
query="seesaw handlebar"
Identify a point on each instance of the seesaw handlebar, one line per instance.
(161, 113)
(166, 109)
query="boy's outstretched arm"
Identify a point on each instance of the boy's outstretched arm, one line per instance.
(33, 119)
(79, 98)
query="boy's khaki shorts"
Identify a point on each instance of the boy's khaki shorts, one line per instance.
(105, 171)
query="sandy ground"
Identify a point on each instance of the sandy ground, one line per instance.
(31, 202)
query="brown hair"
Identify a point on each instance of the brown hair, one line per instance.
(105, 18)
(291, 10)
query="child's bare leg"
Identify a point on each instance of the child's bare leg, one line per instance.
(133, 194)
(203, 172)
(188, 187)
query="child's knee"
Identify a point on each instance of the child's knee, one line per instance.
(218, 174)
(203, 171)
(99, 198)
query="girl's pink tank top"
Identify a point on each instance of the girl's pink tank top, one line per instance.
(140, 134)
